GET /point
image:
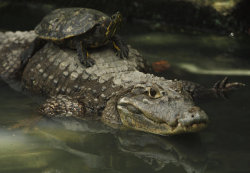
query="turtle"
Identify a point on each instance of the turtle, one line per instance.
(80, 29)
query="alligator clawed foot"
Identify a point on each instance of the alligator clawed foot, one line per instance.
(221, 87)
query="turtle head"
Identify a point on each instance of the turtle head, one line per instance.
(114, 24)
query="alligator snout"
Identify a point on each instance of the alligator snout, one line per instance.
(164, 115)
(194, 115)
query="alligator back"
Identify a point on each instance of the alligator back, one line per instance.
(12, 44)
(53, 71)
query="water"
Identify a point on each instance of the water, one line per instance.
(89, 146)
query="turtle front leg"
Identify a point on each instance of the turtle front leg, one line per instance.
(83, 54)
(120, 46)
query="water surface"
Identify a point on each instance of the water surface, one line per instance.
(89, 146)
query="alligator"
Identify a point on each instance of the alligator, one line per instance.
(115, 91)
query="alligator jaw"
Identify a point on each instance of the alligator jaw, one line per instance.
(195, 127)
(133, 117)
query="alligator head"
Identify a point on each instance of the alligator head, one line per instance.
(151, 108)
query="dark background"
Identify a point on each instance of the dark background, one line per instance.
(163, 15)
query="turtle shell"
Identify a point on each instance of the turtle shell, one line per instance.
(68, 22)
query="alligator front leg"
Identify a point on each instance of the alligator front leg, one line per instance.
(219, 89)
(62, 105)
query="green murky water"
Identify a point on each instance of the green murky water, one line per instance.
(89, 146)
(68, 146)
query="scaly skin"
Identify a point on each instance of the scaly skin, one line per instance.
(113, 90)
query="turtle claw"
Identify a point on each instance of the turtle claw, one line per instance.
(223, 86)
(88, 62)
(120, 47)
(123, 53)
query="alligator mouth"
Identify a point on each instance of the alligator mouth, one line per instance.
(192, 127)
(165, 129)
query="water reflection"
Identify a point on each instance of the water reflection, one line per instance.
(56, 145)
(182, 151)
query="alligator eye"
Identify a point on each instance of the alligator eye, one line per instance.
(152, 92)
